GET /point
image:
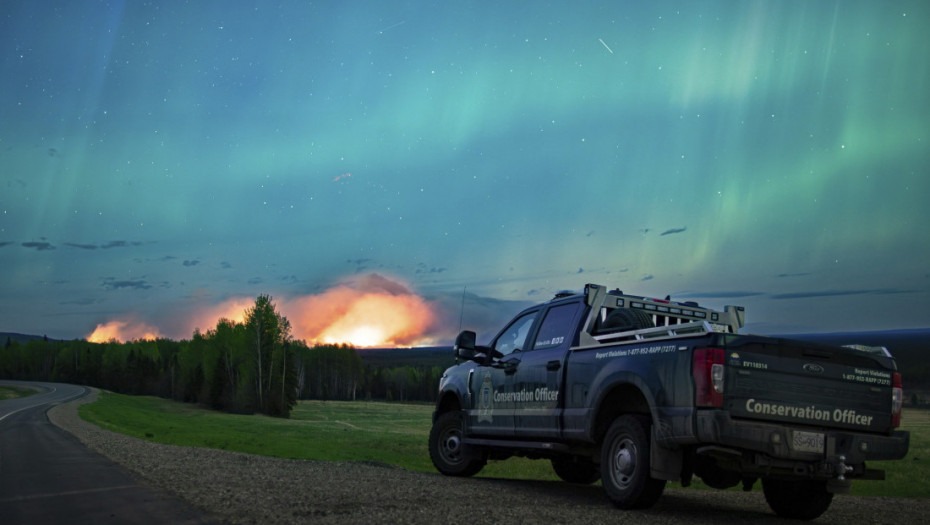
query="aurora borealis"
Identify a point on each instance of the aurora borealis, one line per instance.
(158, 160)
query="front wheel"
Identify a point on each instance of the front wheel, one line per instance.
(799, 500)
(449, 454)
(625, 471)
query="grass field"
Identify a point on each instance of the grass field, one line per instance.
(392, 433)
(10, 392)
(375, 432)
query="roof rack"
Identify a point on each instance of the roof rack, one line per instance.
(671, 318)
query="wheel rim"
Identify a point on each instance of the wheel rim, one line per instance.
(450, 443)
(623, 462)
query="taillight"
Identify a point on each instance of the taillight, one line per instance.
(897, 399)
(707, 369)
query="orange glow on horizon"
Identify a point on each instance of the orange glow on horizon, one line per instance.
(368, 311)
(361, 318)
(122, 331)
(232, 309)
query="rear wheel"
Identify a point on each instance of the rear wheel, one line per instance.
(625, 470)
(449, 454)
(576, 470)
(799, 500)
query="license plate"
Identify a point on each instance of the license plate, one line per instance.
(807, 441)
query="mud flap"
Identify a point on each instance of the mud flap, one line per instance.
(664, 463)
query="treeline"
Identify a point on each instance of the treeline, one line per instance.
(249, 367)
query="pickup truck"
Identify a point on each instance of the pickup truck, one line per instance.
(636, 392)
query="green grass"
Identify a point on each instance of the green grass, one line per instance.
(389, 433)
(395, 434)
(906, 477)
(12, 392)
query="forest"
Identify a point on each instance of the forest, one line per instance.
(250, 367)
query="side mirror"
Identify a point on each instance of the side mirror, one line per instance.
(465, 345)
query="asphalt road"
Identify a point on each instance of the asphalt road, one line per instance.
(47, 476)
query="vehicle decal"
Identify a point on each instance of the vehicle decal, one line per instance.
(485, 403)
(868, 376)
(527, 396)
(810, 413)
(627, 352)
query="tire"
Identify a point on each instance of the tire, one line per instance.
(626, 319)
(799, 500)
(625, 471)
(449, 455)
(572, 469)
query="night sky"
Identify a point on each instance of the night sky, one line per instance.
(163, 163)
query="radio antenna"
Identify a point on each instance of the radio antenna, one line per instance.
(462, 308)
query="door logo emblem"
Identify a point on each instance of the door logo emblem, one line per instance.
(485, 397)
(813, 368)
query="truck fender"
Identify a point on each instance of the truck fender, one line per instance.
(448, 401)
(619, 393)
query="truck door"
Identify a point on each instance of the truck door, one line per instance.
(538, 377)
(492, 386)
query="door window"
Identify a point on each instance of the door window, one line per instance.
(513, 339)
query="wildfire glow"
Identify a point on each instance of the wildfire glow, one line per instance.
(371, 311)
(367, 311)
(232, 309)
(122, 331)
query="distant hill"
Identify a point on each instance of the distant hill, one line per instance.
(20, 338)
(428, 356)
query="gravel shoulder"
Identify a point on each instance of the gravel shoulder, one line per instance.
(243, 488)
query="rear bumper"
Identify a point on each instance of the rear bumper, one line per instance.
(775, 440)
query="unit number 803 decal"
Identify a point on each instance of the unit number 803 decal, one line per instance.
(553, 341)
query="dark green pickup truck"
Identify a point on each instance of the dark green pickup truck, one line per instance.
(636, 392)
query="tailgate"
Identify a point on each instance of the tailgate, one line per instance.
(808, 384)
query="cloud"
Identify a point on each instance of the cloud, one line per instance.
(39, 246)
(225, 265)
(192, 262)
(672, 231)
(838, 293)
(648, 277)
(422, 268)
(722, 294)
(112, 284)
(81, 246)
(2, 244)
(120, 244)
(105, 246)
(800, 274)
